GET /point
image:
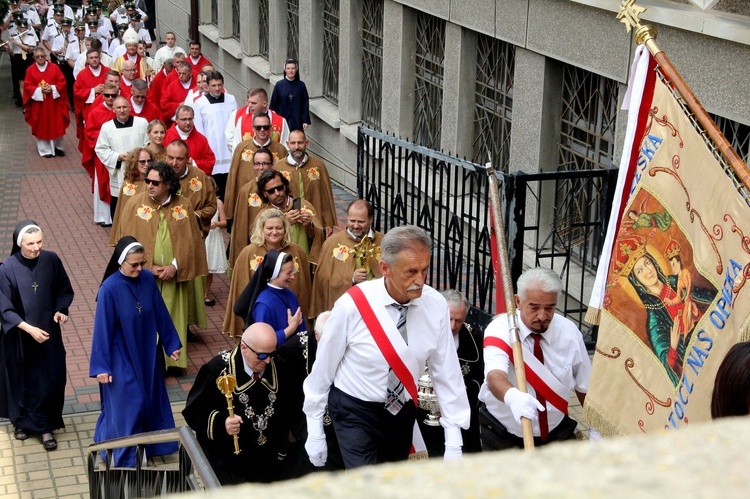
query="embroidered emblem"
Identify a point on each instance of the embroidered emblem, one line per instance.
(287, 175)
(275, 135)
(247, 136)
(255, 262)
(307, 210)
(377, 253)
(145, 212)
(247, 154)
(313, 174)
(254, 200)
(178, 212)
(275, 157)
(296, 265)
(195, 184)
(465, 368)
(341, 252)
(129, 189)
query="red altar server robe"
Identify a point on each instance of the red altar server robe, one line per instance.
(49, 118)
(198, 147)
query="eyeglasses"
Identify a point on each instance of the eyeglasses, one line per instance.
(137, 264)
(144, 162)
(155, 183)
(110, 96)
(278, 188)
(261, 356)
(262, 163)
(262, 127)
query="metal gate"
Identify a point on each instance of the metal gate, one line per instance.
(555, 220)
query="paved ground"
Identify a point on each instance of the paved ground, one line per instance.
(56, 193)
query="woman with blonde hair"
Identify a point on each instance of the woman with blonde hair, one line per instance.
(136, 166)
(271, 232)
(156, 131)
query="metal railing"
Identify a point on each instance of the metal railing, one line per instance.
(449, 197)
(190, 471)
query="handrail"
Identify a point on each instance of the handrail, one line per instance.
(189, 446)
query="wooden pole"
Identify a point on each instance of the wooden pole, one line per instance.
(645, 34)
(510, 303)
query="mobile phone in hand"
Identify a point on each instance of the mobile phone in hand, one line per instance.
(296, 203)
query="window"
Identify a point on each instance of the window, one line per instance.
(372, 61)
(215, 12)
(737, 134)
(493, 101)
(589, 113)
(292, 29)
(236, 19)
(331, 50)
(263, 27)
(430, 54)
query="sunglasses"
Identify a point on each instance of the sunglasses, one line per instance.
(137, 264)
(155, 183)
(262, 127)
(261, 356)
(278, 188)
(110, 96)
(261, 163)
(144, 162)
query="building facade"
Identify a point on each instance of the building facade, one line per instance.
(533, 85)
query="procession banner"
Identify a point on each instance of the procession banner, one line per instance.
(674, 299)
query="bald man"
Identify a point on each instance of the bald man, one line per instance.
(266, 399)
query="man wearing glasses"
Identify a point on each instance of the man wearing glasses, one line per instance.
(140, 104)
(240, 125)
(244, 168)
(265, 398)
(184, 129)
(163, 221)
(101, 112)
(194, 184)
(116, 139)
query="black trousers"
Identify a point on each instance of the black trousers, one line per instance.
(496, 437)
(221, 184)
(367, 433)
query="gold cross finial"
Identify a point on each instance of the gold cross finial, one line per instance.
(630, 13)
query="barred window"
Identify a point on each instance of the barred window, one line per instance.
(236, 19)
(331, 50)
(493, 101)
(589, 113)
(429, 61)
(372, 61)
(292, 29)
(738, 135)
(215, 12)
(263, 27)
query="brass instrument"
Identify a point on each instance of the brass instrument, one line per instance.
(226, 385)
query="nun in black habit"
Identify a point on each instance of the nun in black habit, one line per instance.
(36, 294)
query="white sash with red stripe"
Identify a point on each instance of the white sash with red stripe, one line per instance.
(537, 374)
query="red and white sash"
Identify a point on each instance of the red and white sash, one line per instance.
(391, 344)
(537, 374)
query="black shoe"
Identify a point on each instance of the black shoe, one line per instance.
(192, 337)
(59, 152)
(20, 434)
(48, 156)
(104, 224)
(175, 371)
(209, 302)
(48, 442)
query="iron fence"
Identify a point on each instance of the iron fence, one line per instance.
(190, 471)
(448, 197)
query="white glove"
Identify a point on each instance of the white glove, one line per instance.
(522, 405)
(316, 446)
(452, 453)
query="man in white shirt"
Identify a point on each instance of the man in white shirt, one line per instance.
(382, 332)
(167, 51)
(212, 111)
(553, 350)
(116, 139)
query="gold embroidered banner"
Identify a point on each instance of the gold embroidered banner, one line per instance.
(675, 298)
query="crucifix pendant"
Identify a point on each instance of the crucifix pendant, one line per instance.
(35, 285)
(138, 307)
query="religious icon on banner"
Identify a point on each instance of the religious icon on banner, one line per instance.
(655, 290)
